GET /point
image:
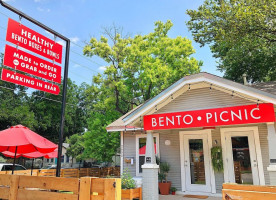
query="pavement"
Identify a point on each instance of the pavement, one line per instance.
(180, 197)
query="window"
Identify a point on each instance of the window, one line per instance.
(62, 159)
(141, 150)
(67, 159)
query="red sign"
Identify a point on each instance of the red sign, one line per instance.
(27, 81)
(27, 38)
(30, 64)
(211, 117)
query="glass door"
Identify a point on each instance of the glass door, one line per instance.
(197, 163)
(241, 157)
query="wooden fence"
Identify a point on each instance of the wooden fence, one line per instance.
(248, 192)
(18, 187)
(71, 173)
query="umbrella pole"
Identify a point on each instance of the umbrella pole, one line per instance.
(14, 159)
(32, 167)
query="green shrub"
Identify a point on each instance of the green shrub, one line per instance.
(164, 170)
(127, 181)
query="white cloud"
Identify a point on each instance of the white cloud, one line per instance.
(43, 10)
(102, 68)
(40, 9)
(74, 39)
(61, 42)
(76, 66)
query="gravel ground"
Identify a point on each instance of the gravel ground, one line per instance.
(180, 197)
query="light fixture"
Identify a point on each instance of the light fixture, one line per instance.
(167, 142)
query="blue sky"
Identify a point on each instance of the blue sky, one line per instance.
(80, 20)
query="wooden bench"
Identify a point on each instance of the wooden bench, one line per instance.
(248, 192)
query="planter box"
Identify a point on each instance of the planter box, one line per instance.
(164, 188)
(132, 193)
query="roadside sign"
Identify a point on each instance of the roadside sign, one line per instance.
(20, 79)
(25, 37)
(25, 62)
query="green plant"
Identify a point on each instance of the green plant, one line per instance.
(217, 162)
(127, 181)
(164, 170)
(173, 189)
(157, 160)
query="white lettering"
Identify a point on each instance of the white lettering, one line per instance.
(153, 122)
(252, 113)
(184, 119)
(220, 116)
(245, 114)
(178, 118)
(161, 121)
(168, 120)
(208, 116)
(234, 114)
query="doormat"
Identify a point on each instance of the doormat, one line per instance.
(196, 196)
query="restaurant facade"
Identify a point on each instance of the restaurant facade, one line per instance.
(194, 115)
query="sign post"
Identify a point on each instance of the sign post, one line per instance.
(37, 45)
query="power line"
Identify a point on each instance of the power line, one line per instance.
(86, 58)
(83, 66)
(41, 96)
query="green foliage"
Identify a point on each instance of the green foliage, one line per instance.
(2, 160)
(173, 189)
(164, 170)
(242, 35)
(48, 113)
(76, 146)
(99, 144)
(127, 181)
(137, 69)
(217, 161)
(14, 105)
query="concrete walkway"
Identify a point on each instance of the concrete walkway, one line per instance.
(180, 197)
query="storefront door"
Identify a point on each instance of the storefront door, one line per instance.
(241, 156)
(241, 160)
(197, 163)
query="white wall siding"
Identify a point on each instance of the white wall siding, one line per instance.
(202, 98)
(130, 151)
(219, 176)
(171, 154)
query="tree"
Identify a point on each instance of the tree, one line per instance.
(138, 69)
(47, 112)
(76, 147)
(14, 105)
(241, 34)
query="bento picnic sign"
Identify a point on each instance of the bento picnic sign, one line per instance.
(246, 114)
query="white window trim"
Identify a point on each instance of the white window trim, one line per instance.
(138, 136)
(257, 146)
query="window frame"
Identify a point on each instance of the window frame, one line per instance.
(138, 136)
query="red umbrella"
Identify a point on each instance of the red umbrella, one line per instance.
(10, 154)
(20, 139)
(31, 155)
(142, 150)
(54, 154)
